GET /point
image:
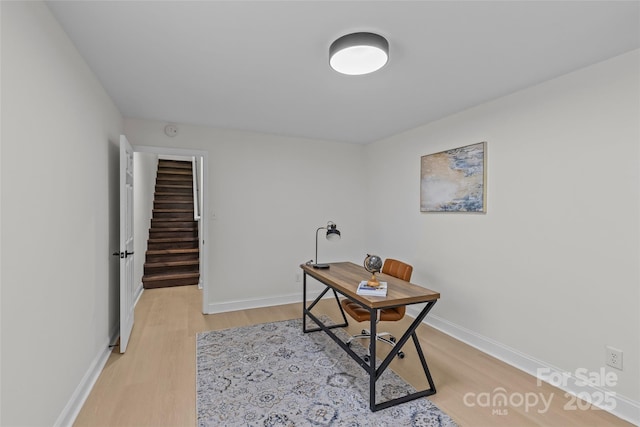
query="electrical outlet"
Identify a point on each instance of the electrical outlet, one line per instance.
(614, 357)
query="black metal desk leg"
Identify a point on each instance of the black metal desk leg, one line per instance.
(304, 300)
(423, 360)
(344, 316)
(409, 333)
(372, 359)
(306, 310)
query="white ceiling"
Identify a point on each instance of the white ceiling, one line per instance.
(263, 65)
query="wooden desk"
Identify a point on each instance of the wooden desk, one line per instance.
(343, 278)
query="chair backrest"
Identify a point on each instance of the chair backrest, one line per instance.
(398, 269)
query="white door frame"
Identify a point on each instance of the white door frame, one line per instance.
(127, 290)
(204, 218)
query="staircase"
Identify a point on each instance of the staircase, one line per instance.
(172, 257)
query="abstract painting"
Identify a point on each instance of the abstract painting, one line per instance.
(454, 180)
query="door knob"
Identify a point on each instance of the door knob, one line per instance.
(122, 254)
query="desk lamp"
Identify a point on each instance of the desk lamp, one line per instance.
(332, 234)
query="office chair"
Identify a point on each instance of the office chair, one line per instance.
(393, 268)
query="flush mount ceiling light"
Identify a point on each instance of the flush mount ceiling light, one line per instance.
(358, 53)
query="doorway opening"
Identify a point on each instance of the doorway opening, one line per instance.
(146, 161)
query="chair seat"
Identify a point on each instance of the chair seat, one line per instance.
(360, 314)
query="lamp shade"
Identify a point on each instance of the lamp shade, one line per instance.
(358, 53)
(332, 232)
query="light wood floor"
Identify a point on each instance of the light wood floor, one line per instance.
(153, 383)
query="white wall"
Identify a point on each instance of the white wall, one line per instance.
(59, 217)
(145, 167)
(267, 196)
(552, 269)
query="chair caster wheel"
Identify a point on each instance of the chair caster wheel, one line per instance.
(392, 339)
(348, 343)
(363, 332)
(401, 355)
(366, 359)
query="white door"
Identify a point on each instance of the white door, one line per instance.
(127, 300)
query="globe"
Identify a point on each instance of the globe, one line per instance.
(373, 263)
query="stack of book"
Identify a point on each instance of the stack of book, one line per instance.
(378, 291)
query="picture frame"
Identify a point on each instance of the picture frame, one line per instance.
(454, 180)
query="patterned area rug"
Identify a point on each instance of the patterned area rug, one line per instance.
(274, 375)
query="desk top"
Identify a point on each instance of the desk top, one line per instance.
(345, 277)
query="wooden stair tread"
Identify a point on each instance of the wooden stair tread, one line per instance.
(183, 189)
(173, 205)
(172, 263)
(173, 239)
(165, 209)
(171, 229)
(177, 164)
(164, 276)
(169, 220)
(173, 251)
(160, 226)
(174, 173)
(163, 191)
(174, 196)
(176, 179)
(167, 197)
(164, 172)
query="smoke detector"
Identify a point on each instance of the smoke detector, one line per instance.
(171, 130)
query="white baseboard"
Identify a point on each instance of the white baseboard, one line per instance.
(79, 396)
(246, 304)
(253, 303)
(137, 294)
(607, 399)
